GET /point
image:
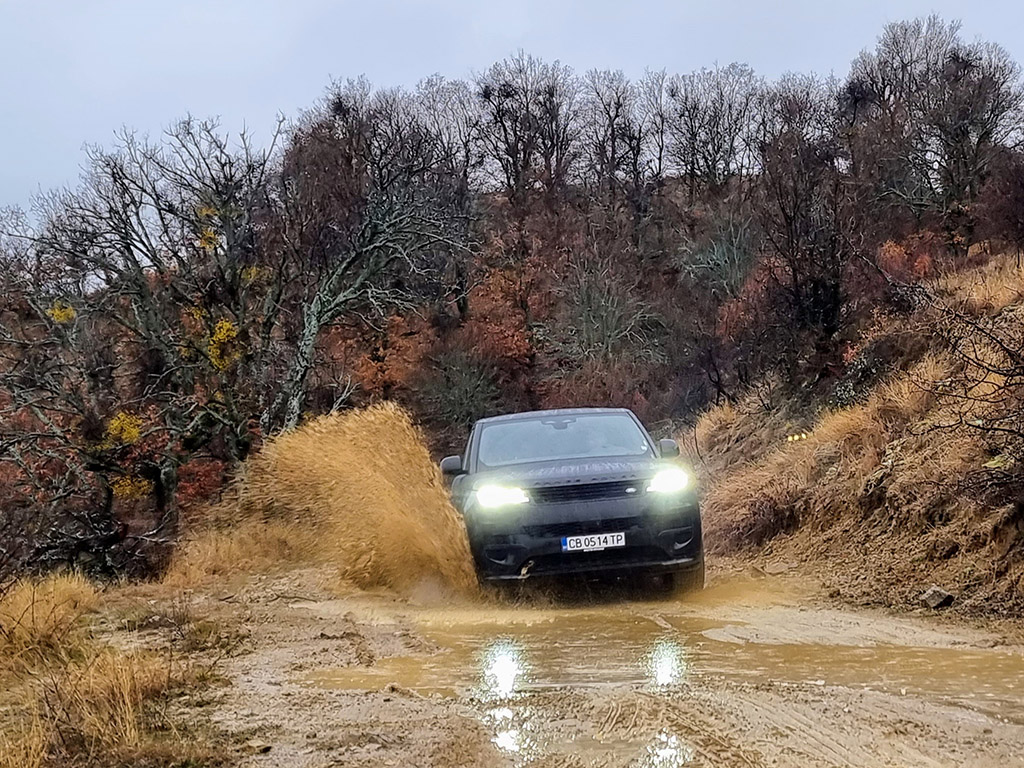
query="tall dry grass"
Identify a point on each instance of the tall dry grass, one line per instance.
(102, 709)
(40, 619)
(357, 489)
(97, 707)
(68, 697)
(985, 290)
(731, 435)
(247, 545)
(825, 476)
(25, 744)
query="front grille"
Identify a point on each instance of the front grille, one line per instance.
(555, 494)
(580, 527)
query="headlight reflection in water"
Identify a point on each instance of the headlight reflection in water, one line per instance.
(503, 669)
(502, 674)
(666, 663)
(667, 751)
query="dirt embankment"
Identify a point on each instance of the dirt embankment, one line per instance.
(904, 474)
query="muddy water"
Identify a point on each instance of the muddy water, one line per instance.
(502, 659)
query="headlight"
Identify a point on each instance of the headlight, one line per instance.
(673, 480)
(499, 496)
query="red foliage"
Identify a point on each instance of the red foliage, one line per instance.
(496, 327)
(199, 481)
(737, 316)
(909, 261)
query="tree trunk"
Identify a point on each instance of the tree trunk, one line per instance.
(294, 391)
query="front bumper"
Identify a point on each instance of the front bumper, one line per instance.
(660, 538)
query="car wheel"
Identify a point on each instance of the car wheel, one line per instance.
(692, 580)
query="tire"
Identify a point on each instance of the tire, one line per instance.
(691, 580)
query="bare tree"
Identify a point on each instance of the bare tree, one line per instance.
(531, 126)
(932, 111)
(610, 126)
(452, 112)
(654, 110)
(558, 113)
(712, 110)
(624, 137)
(804, 206)
(371, 230)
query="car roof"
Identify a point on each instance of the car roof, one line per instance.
(551, 413)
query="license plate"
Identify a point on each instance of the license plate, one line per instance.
(593, 542)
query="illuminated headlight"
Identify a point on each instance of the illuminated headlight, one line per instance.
(673, 480)
(491, 496)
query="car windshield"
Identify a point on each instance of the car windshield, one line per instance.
(552, 438)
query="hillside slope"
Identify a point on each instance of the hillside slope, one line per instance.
(902, 474)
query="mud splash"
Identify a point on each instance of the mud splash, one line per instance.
(365, 482)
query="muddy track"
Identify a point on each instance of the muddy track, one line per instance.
(745, 675)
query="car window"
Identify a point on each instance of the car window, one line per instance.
(522, 441)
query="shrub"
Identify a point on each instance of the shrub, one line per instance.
(460, 389)
(603, 319)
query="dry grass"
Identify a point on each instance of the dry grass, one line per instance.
(25, 744)
(97, 707)
(728, 436)
(250, 546)
(40, 619)
(824, 476)
(70, 698)
(986, 290)
(358, 489)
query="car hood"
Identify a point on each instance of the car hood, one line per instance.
(580, 471)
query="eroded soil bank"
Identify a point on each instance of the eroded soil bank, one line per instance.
(750, 673)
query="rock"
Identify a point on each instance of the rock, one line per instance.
(777, 569)
(937, 597)
(257, 746)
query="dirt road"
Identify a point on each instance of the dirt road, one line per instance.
(751, 673)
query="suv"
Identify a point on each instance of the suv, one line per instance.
(576, 491)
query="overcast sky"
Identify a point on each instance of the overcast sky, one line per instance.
(74, 71)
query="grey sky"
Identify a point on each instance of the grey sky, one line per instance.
(73, 71)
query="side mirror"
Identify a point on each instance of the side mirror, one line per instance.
(451, 465)
(668, 449)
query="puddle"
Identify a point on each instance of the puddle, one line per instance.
(499, 657)
(604, 648)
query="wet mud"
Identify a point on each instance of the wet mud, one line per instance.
(508, 661)
(745, 674)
